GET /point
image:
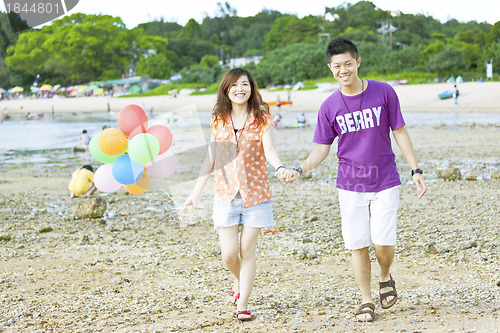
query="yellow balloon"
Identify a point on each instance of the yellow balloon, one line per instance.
(141, 186)
(112, 142)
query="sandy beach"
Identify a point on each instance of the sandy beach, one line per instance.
(143, 267)
(474, 97)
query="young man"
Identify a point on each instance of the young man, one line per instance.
(362, 113)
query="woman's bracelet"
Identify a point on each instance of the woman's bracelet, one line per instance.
(281, 166)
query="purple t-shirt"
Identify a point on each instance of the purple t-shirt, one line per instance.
(366, 160)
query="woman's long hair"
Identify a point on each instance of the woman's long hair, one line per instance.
(223, 105)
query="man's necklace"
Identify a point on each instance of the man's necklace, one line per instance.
(238, 139)
(360, 104)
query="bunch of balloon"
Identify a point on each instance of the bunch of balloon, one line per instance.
(133, 153)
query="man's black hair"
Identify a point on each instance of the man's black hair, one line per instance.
(340, 45)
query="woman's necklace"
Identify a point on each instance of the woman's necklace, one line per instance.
(360, 104)
(238, 138)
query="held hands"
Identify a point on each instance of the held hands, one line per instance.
(287, 175)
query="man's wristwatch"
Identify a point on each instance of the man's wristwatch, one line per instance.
(414, 171)
(299, 169)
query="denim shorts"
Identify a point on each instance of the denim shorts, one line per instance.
(259, 216)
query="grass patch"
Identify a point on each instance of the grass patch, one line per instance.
(165, 89)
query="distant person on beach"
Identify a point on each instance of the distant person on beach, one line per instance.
(362, 113)
(455, 94)
(302, 120)
(82, 182)
(84, 139)
(104, 127)
(241, 141)
(171, 121)
(277, 120)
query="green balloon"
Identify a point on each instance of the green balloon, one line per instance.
(143, 148)
(98, 154)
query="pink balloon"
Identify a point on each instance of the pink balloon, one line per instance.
(164, 136)
(132, 119)
(163, 166)
(136, 131)
(104, 180)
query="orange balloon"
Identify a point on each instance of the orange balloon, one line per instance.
(112, 142)
(141, 186)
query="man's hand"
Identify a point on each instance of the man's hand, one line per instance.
(421, 185)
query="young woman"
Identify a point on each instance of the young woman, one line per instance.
(241, 142)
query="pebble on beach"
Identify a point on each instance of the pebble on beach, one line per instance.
(133, 263)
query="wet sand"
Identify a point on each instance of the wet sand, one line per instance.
(145, 268)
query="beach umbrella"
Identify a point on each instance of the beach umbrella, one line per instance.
(98, 92)
(83, 89)
(17, 89)
(46, 87)
(135, 89)
(2, 90)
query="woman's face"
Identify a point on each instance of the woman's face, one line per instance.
(240, 91)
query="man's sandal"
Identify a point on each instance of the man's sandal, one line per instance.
(243, 315)
(233, 297)
(367, 308)
(383, 296)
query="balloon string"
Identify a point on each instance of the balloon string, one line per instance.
(168, 195)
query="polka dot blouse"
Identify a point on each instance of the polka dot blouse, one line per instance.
(240, 165)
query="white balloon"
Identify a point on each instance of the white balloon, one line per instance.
(104, 180)
(162, 166)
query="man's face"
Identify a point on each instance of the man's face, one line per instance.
(344, 68)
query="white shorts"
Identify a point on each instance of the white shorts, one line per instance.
(259, 216)
(369, 217)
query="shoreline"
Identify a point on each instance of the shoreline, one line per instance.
(474, 98)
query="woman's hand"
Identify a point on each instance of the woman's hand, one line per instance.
(190, 204)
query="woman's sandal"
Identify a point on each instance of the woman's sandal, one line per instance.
(367, 308)
(233, 297)
(391, 283)
(243, 315)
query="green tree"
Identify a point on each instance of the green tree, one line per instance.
(209, 61)
(78, 48)
(191, 30)
(295, 62)
(161, 28)
(274, 37)
(450, 61)
(189, 51)
(362, 15)
(7, 38)
(156, 66)
(303, 30)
